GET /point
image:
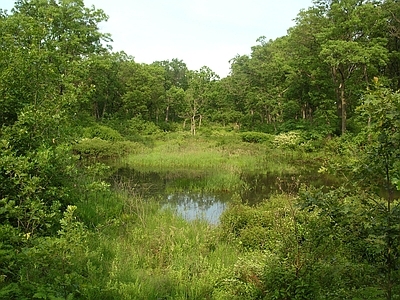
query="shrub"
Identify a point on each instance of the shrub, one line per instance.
(98, 148)
(287, 140)
(244, 280)
(256, 137)
(254, 237)
(248, 225)
(50, 267)
(137, 126)
(103, 132)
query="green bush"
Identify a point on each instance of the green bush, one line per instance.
(137, 126)
(103, 132)
(254, 237)
(244, 280)
(256, 137)
(287, 140)
(99, 149)
(49, 267)
(249, 226)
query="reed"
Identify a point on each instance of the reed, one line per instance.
(158, 255)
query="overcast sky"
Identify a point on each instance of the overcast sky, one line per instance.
(199, 32)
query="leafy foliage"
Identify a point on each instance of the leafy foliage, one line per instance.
(98, 149)
(287, 140)
(255, 137)
(103, 132)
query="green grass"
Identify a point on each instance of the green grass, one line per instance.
(227, 154)
(151, 253)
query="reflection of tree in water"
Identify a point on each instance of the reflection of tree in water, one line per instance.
(145, 184)
(155, 184)
(258, 186)
(176, 189)
(202, 200)
(198, 205)
(185, 190)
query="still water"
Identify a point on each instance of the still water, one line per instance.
(189, 194)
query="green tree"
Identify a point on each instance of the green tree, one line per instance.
(45, 45)
(390, 29)
(380, 169)
(348, 48)
(309, 84)
(105, 97)
(238, 84)
(175, 83)
(367, 211)
(269, 70)
(174, 98)
(44, 51)
(144, 91)
(197, 95)
(221, 107)
(176, 73)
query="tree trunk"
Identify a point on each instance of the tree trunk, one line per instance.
(193, 126)
(166, 114)
(337, 93)
(343, 107)
(103, 110)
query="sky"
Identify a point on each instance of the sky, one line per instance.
(198, 32)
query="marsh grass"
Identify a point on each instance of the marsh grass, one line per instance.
(152, 253)
(229, 154)
(141, 250)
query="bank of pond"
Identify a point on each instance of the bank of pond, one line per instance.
(197, 195)
(201, 218)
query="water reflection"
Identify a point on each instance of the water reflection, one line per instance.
(189, 192)
(197, 206)
(260, 186)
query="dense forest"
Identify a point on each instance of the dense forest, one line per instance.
(326, 94)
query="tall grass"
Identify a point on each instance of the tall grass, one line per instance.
(151, 253)
(139, 250)
(227, 154)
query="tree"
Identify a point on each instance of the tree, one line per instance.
(221, 106)
(309, 83)
(144, 91)
(197, 94)
(368, 212)
(174, 98)
(380, 169)
(107, 88)
(175, 83)
(44, 51)
(348, 48)
(238, 84)
(269, 70)
(176, 73)
(390, 29)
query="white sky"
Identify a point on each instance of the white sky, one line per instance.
(199, 32)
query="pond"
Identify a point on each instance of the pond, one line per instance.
(192, 194)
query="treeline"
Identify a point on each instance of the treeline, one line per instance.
(312, 78)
